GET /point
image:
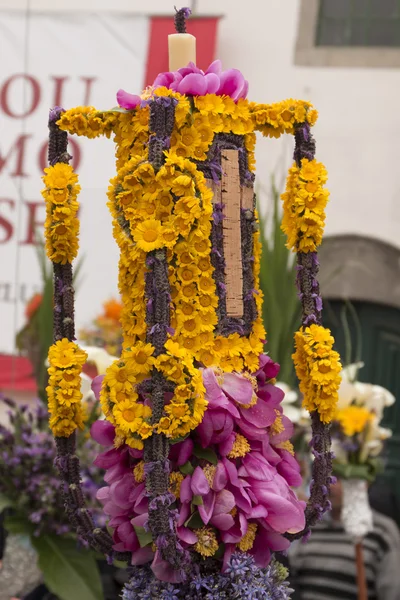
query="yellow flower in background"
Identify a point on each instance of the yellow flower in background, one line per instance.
(353, 419)
(148, 235)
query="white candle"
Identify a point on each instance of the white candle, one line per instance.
(181, 50)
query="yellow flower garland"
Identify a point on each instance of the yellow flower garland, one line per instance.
(61, 224)
(64, 396)
(172, 210)
(304, 203)
(318, 369)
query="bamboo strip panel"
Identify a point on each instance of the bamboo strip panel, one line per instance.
(231, 197)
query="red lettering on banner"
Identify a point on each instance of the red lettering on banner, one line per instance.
(33, 222)
(58, 89)
(19, 148)
(73, 148)
(35, 99)
(5, 223)
(88, 88)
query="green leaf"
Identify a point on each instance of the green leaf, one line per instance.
(4, 502)
(145, 538)
(195, 521)
(187, 468)
(16, 524)
(220, 552)
(197, 500)
(69, 572)
(206, 454)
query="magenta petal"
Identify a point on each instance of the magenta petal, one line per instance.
(220, 478)
(229, 550)
(238, 388)
(103, 494)
(212, 83)
(193, 84)
(140, 520)
(164, 571)
(284, 435)
(207, 508)
(191, 68)
(186, 535)
(250, 431)
(103, 433)
(260, 550)
(224, 502)
(258, 512)
(245, 90)
(215, 67)
(205, 430)
(108, 459)
(164, 79)
(199, 483)
(226, 446)
(185, 451)
(96, 385)
(184, 514)
(232, 82)
(186, 494)
(256, 466)
(142, 556)
(121, 490)
(213, 390)
(128, 101)
(222, 522)
(260, 415)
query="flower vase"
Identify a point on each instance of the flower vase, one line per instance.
(356, 510)
(19, 571)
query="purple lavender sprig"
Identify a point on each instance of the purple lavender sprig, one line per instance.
(242, 580)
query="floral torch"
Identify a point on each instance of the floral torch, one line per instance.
(198, 460)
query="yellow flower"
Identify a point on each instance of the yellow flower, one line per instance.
(138, 472)
(120, 377)
(240, 447)
(175, 482)
(178, 411)
(353, 419)
(129, 416)
(206, 544)
(182, 186)
(148, 235)
(65, 354)
(60, 176)
(247, 541)
(188, 207)
(139, 358)
(145, 431)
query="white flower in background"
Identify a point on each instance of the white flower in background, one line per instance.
(372, 397)
(102, 360)
(298, 416)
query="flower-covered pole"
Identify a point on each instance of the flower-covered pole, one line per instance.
(65, 357)
(317, 365)
(158, 297)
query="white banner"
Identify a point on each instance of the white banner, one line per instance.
(66, 60)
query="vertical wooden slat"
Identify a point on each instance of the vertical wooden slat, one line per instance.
(247, 198)
(216, 190)
(231, 194)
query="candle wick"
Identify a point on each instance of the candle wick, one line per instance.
(180, 19)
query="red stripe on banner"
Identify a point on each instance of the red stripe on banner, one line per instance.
(16, 373)
(203, 28)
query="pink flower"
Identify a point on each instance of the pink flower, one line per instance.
(128, 101)
(103, 433)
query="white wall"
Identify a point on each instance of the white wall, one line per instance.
(359, 128)
(358, 133)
